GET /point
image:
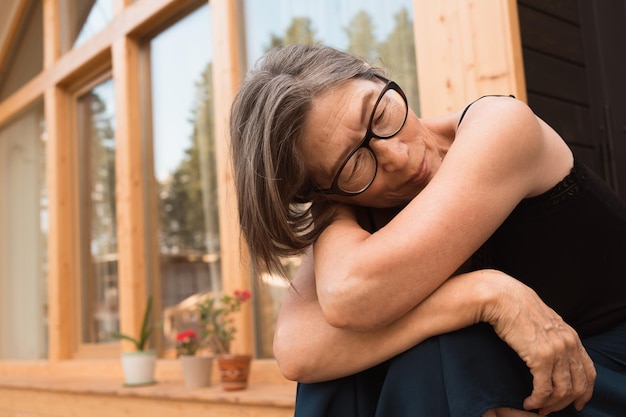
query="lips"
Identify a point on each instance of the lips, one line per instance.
(422, 172)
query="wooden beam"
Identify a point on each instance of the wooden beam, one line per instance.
(52, 32)
(9, 38)
(63, 228)
(227, 75)
(60, 280)
(465, 50)
(129, 182)
(120, 5)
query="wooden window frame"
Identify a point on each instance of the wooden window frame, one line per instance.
(116, 47)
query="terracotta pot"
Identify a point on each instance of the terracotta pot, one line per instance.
(196, 370)
(234, 371)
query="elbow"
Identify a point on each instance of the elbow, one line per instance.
(349, 306)
(292, 363)
(290, 369)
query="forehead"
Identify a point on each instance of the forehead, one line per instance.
(337, 119)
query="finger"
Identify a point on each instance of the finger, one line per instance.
(542, 388)
(561, 394)
(590, 377)
(582, 376)
(574, 385)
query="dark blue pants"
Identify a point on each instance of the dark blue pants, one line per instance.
(461, 374)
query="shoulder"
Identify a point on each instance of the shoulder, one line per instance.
(504, 124)
(505, 140)
(494, 112)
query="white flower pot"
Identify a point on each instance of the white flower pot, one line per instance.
(139, 367)
(196, 370)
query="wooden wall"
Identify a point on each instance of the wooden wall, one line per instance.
(466, 49)
(556, 74)
(573, 61)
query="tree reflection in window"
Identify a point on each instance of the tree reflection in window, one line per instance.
(396, 52)
(185, 192)
(188, 197)
(98, 216)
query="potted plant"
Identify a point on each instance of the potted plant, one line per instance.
(216, 315)
(138, 366)
(196, 368)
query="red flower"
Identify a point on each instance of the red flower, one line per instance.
(243, 295)
(187, 334)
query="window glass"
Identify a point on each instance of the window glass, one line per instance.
(184, 168)
(380, 32)
(98, 223)
(82, 19)
(23, 238)
(24, 58)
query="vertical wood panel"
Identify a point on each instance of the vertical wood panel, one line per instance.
(465, 50)
(226, 81)
(129, 183)
(61, 273)
(52, 33)
(63, 228)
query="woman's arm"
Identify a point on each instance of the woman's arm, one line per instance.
(308, 349)
(500, 156)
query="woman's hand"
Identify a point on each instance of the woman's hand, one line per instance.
(562, 370)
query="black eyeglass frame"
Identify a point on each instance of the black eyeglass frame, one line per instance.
(365, 142)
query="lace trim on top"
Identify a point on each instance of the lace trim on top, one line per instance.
(568, 188)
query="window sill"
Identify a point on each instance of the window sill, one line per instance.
(102, 378)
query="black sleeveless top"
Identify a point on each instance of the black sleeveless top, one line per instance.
(569, 245)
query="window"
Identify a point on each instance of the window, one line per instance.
(99, 316)
(380, 32)
(23, 233)
(184, 183)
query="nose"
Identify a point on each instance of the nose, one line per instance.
(386, 151)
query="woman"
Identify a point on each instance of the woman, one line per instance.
(398, 205)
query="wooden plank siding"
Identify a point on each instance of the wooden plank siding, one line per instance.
(604, 29)
(556, 74)
(573, 62)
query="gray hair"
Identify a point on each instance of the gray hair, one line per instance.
(280, 212)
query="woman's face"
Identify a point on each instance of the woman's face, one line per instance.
(337, 123)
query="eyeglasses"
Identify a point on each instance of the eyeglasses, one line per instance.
(358, 170)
